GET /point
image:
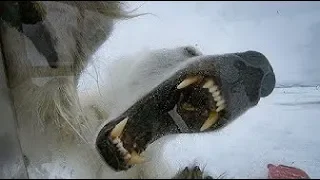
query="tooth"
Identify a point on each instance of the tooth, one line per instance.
(219, 103)
(187, 82)
(117, 130)
(216, 93)
(123, 150)
(221, 107)
(127, 156)
(119, 145)
(212, 119)
(208, 84)
(116, 140)
(217, 98)
(213, 89)
(135, 159)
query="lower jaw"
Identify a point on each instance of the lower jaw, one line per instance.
(113, 156)
(109, 151)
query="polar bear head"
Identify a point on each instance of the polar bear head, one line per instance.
(188, 92)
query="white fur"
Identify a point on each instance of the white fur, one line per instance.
(125, 81)
(57, 129)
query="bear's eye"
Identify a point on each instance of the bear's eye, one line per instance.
(191, 51)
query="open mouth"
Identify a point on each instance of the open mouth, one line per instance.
(200, 99)
(205, 95)
(198, 103)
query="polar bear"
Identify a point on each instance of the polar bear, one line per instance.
(171, 91)
(103, 132)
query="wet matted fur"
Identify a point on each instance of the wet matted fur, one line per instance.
(64, 136)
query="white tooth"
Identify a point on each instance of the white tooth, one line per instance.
(119, 145)
(187, 82)
(216, 93)
(122, 150)
(213, 89)
(221, 107)
(219, 103)
(208, 84)
(135, 159)
(116, 141)
(127, 156)
(212, 119)
(217, 98)
(117, 130)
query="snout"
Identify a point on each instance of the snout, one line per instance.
(244, 77)
(205, 94)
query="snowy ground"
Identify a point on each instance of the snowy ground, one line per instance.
(282, 129)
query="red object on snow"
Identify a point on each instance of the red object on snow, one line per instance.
(286, 172)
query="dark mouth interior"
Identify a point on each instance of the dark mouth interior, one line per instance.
(195, 104)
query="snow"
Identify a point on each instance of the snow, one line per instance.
(286, 32)
(282, 129)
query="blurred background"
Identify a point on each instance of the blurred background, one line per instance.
(288, 33)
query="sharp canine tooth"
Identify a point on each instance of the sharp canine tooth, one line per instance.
(212, 119)
(221, 107)
(208, 84)
(219, 103)
(213, 89)
(215, 94)
(135, 159)
(187, 82)
(117, 130)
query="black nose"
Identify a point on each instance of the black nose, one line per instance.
(268, 84)
(258, 60)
